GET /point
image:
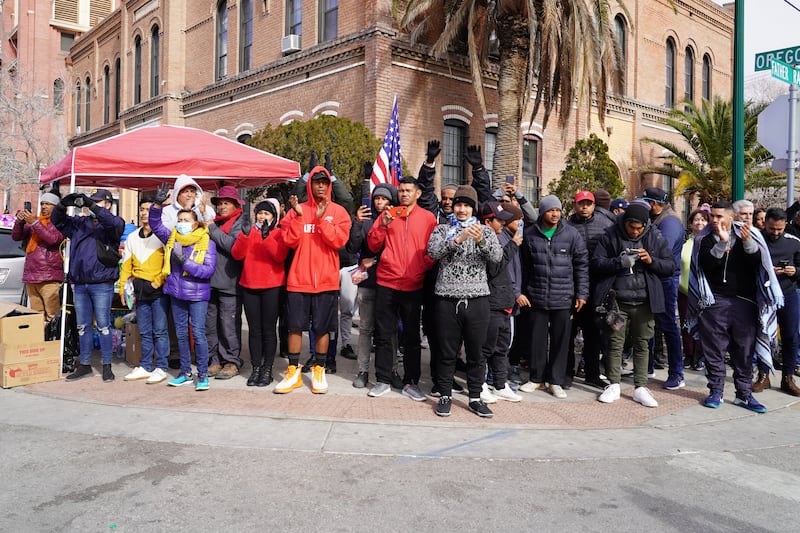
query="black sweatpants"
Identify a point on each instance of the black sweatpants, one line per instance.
(495, 348)
(457, 320)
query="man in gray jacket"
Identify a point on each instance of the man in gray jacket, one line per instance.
(224, 320)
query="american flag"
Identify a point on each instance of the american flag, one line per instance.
(388, 167)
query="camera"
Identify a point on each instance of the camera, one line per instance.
(784, 263)
(632, 251)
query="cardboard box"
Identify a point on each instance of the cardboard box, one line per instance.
(133, 345)
(26, 326)
(22, 353)
(16, 374)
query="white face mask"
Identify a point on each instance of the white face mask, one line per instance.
(184, 228)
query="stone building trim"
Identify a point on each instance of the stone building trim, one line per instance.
(326, 108)
(291, 116)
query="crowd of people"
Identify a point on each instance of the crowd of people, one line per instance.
(494, 284)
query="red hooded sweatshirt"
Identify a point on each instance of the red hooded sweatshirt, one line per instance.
(403, 246)
(315, 267)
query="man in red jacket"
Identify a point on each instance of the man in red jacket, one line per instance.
(315, 229)
(401, 236)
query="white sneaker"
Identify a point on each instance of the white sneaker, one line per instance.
(486, 394)
(530, 386)
(137, 374)
(643, 396)
(506, 394)
(626, 372)
(558, 392)
(157, 376)
(610, 394)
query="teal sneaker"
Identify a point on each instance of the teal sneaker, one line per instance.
(180, 380)
(202, 383)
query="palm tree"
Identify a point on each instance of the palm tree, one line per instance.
(561, 50)
(704, 169)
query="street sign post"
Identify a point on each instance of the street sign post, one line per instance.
(788, 55)
(787, 73)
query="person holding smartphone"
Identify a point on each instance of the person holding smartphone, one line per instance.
(43, 272)
(784, 249)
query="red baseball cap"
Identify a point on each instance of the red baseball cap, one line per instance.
(584, 195)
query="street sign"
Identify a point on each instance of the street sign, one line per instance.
(789, 55)
(785, 72)
(773, 126)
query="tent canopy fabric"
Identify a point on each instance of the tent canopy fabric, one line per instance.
(149, 157)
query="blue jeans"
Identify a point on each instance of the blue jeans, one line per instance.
(184, 313)
(94, 300)
(151, 318)
(669, 328)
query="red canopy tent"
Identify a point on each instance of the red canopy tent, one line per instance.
(149, 157)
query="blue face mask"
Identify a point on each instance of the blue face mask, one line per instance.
(184, 228)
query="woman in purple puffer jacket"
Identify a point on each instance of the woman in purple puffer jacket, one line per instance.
(190, 258)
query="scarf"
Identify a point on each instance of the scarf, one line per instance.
(198, 238)
(33, 242)
(227, 220)
(456, 226)
(769, 296)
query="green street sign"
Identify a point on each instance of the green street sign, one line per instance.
(785, 72)
(789, 55)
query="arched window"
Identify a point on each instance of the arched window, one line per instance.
(328, 19)
(117, 87)
(688, 74)
(621, 37)
(154, 61)
(706, 91)
(58, 95)
(669, 75)
(246, 35)
(222, 40)
(78, 107)
(137, 70)
(106, 94)
(455, 139)
(243, 138)
(531, 181)
(88, 106)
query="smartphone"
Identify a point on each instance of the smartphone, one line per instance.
(632, 251)
(520, 227)
(366, 201)
(401, 211)
(27, 206)
(510, 180)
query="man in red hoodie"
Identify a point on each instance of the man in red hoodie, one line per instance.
(315, 229)
(401, 236)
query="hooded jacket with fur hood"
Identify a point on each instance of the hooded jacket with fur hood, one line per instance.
(316, 242)
(169, 214)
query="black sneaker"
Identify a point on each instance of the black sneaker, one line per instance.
(330, 365)
(443, 407)
(480, 409)
(596, 381)
(312, 361)
(361, 380)
(397, 381)
(108, 375)
(347, 352)
(81, 372)
(457, 386)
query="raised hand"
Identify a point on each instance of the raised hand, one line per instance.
(473, 156)
(434, 148)
(161, 195)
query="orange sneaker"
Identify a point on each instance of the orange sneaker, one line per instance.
(293, 379)
(319, 385)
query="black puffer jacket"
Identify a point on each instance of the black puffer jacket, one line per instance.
(501, 285)
(591, 229)
(606, 262)
(555, 272)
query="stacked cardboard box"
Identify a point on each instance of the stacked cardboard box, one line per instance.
(25, 357)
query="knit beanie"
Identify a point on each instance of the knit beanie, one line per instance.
(387, 190)
(637, 212)
(549, 202)
(49, 198)
(266, 206)
(602, 198)
(467, 195)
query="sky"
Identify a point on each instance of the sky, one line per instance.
(768, 25)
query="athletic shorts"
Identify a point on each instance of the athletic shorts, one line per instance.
(320, 309)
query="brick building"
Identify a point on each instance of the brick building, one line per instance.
(36, 39)
(233, 66)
